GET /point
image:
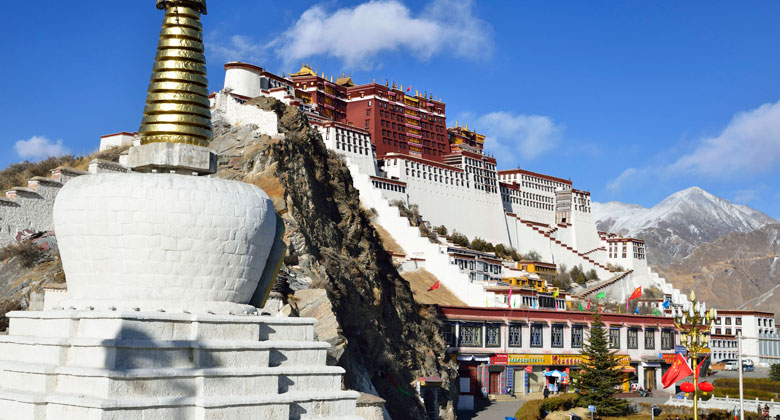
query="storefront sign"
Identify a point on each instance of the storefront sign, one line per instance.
(669, 358)
(547, 359)
(499, 359)
(529, 369)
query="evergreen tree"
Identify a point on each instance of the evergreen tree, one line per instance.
(599, 375)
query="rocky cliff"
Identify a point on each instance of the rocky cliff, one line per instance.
(389, 340)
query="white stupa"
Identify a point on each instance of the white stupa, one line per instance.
(165, 270)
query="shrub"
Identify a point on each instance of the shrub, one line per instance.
(685, 412)
(774, 372)
(760, 384)
(27, 252)
(426, 232)
(538, 409)
(441, 230)
(748, 393)
(459, 239)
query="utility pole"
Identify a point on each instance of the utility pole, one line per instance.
(741, 395)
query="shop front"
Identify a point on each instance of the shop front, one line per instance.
(527, 373)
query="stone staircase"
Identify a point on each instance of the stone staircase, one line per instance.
(61, 365)
(604, 284)
(419, 248)
(568, 253)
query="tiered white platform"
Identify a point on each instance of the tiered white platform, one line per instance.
(61, 365)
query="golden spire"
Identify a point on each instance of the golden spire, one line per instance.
(177, 102)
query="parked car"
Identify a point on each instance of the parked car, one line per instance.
(731, 365)
(747, 366)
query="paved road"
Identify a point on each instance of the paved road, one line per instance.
(492, 411)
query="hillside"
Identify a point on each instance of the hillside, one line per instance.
(390, 338)
(738, 270)
(677, 225)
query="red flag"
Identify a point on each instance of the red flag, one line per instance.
(588, 308)
(435, 286)
(509, 301)
(409, 88)
(679, 370)
(637, 293)
(699, 366)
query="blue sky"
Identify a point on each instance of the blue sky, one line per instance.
(631, 100)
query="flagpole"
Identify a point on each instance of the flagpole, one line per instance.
(741, 396)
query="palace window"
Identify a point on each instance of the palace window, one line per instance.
(633, 338)
(717, 331)
(728, 331)
(717, 321)
(614, 338)
(471, 335)
(536, 335)
(515, 336)
(650, 339)
(728, 320)
(576, 336)
(738, 321)
(556, 335)
(448, 334)
(492, 336)
(667, 340)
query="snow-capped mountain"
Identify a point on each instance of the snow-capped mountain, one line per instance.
(679, 223)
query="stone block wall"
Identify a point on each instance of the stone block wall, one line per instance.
(31, 207)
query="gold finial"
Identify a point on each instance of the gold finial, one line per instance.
(693, 295)
(177, 101)
(199, 5)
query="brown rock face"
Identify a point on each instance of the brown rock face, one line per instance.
(739, 270)
(389, 338)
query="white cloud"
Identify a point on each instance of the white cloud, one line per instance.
(517, 137)
(618, 183)
(39, 147)
(357, 34)
(235, 48)
(749, 145)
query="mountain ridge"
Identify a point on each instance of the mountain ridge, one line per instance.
(678, 224)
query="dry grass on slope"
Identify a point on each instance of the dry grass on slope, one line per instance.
(420, 281)
(388, 242)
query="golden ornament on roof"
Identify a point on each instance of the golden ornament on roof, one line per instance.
(177, 101)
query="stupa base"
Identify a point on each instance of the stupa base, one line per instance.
(182, 307)
(62, 365)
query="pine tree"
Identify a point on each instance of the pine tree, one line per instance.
(599, 375)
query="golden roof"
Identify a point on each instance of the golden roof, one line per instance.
(305, 70)
(345, 81)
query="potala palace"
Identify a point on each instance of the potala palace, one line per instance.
(399, 148)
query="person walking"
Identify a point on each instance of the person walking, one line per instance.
(546, 392)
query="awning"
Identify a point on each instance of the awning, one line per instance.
(472, 358)
(651, 364)
(628, 369)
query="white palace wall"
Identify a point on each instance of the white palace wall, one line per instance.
(474, 213)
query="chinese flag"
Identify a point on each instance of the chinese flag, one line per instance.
(435, 286)
(678, 370)
(409, 88)
(637, 293)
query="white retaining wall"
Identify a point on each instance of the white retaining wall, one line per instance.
(474, 213)
(238, 114)
(408, 237)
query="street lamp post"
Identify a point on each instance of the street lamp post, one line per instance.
(695, 324)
